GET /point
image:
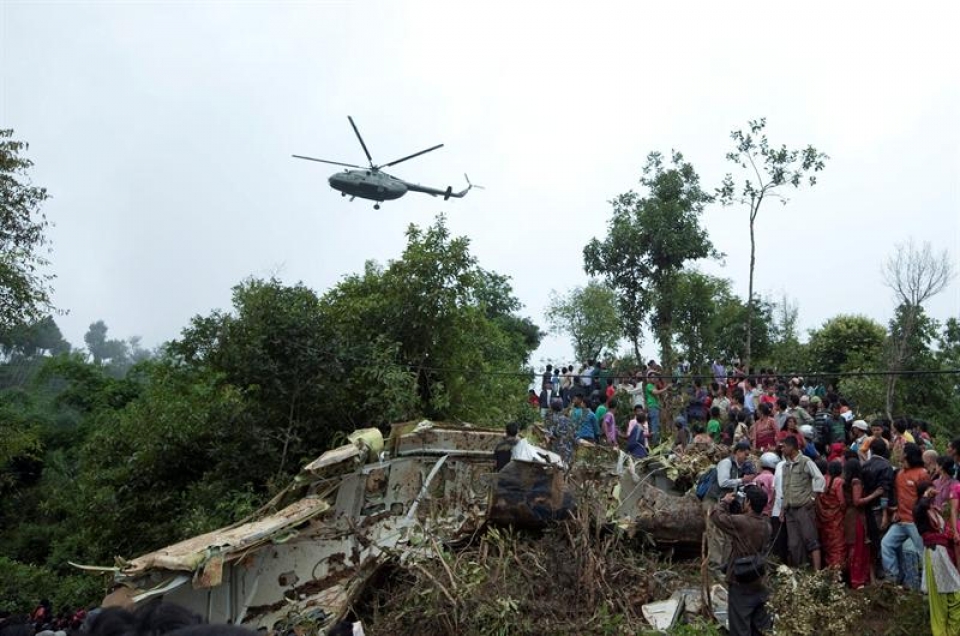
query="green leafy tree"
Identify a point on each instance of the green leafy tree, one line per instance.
(278, 350)
(734, 317)
(767, 171)
(699, 300)
(34, 338)
(188, 442)
(847, 342)
(24, 286)
(435, 317)
(948, 359)
(649, 241)
(589, 316)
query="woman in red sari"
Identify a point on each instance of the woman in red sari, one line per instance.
(763, 433)
(831, 512)
(855, 527)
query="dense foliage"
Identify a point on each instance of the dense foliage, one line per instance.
(24, 284)
(100, 459)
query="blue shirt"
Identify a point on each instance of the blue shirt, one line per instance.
(589, 429)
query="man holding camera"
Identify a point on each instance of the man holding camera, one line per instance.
(733, 472)
(748, 531)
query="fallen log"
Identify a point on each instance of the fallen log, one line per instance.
(669, 518)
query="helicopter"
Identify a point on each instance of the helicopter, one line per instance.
(378, 186)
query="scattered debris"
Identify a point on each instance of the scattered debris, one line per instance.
(663, 615)
(417, 504)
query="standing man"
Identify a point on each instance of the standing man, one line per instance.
(546, 386)
(652, 392)
(586, 422)
(719, 372)
(877, 475)
(803, 417)
(584, 380)
(797, 482)
(609, 423)
(561, 432)
(748, 534)
(566, 385)
(503, 452)
(749, 397)
(904, 498)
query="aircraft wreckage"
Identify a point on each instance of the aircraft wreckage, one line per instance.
(307, 555)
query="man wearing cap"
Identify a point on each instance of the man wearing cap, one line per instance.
(861, 442)
(797, 481)
(732, 473)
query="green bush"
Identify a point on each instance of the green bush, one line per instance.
(22, 587)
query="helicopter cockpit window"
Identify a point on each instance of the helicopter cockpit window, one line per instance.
(368, 173)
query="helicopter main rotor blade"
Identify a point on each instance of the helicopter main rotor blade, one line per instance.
(367, 152)
(416, 154)
(336, 163)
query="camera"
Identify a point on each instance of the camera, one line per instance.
(738, 504)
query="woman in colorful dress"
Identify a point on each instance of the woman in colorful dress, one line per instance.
(859, 571)
(940, 576)
(946, 499)
(763, 433)
(831, 511)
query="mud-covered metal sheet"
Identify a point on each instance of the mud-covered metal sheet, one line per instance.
(428, 438)
(529, 494)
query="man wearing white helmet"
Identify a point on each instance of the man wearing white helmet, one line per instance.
(765, 481)
(810, 450)
(768, 464)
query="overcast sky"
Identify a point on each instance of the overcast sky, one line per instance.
(163, 132)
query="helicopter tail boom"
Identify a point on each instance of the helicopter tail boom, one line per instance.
(446, 194)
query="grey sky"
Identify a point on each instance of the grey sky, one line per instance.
(164, 133)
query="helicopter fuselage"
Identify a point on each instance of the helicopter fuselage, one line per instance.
(373, 184)
(368, 184)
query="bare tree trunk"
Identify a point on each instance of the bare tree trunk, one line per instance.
(753, 259)
(288, 434)
(898, 356)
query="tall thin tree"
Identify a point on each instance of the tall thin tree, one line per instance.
(767, 170)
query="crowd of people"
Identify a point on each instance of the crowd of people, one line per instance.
(807, 482)
(43, 620)
(153, 618)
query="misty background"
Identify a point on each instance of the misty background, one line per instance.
(163, 132)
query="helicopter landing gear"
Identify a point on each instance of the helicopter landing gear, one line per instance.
(376, 206)
(343, 194)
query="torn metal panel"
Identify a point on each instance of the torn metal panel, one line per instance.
(310, 560)
(430, 438)
(190, 554)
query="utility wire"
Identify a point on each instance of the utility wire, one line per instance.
(710, 376)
